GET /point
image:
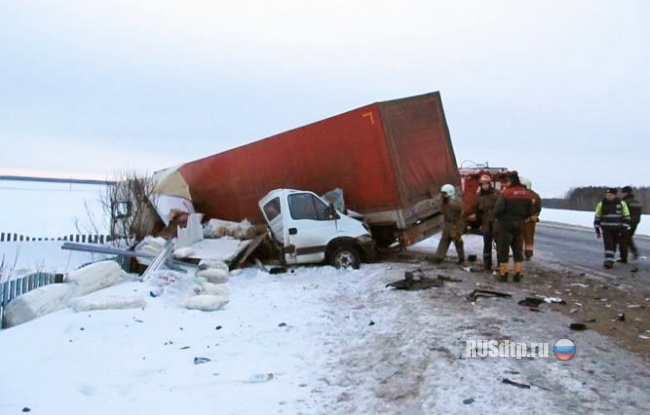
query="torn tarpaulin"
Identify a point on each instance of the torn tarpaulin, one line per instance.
(415, 280)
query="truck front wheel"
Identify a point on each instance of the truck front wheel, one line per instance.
(345, 256)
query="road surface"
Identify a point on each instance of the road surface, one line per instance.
(577, 247)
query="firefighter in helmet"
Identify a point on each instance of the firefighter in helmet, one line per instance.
(531, 224)
(453, 227)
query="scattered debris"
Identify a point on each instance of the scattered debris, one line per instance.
(578, 326)
(468, 401)
(372, 323)
(449, 279)
(621, 317)
(250, 249)
(421, 284)
(554, 300)
(486, 293)
(278, 270)
(185, 348)
(531, 302)
(260, 378)
(218, 328)
(200, 360)
(517, 384)
(282, 325)
(260, 265)
(26, 409)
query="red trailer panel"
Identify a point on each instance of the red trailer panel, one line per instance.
(387, 157)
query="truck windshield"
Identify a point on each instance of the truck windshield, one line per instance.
(307, 206)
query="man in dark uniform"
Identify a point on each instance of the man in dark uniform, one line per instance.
(513, 207)
(483, 213)
(612, 220)
(635, 208)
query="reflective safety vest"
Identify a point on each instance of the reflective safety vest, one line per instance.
(614, 214)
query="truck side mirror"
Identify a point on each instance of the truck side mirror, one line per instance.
(293, 231)
(331, 210)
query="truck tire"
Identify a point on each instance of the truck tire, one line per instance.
(345, 256)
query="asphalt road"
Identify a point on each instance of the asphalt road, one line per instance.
(577, 247)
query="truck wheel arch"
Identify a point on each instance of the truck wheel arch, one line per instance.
(346, 247)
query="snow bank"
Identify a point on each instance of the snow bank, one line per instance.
(109, 302)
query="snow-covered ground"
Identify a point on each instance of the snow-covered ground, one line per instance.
(315, 340)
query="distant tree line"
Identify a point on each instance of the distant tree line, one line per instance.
(586, 198)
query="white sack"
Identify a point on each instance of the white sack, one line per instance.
(37, 303)
(95, 276)
(213, 275)
(213, 263)
(206, 302)
(212, 289)
(183, 252)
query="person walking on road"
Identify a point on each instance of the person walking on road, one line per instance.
(529, 225)
(612, 221)
(483, 214)
(635, 207)
(453, 227)
(513, 207)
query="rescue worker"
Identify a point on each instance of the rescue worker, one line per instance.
(483, 214)
(635, 208)
(453, 227)
(529, 225)
(513, 207)
(612, 220)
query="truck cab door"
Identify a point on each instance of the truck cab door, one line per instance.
(273, 212)
(310, 225)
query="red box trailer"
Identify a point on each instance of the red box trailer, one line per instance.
(390, 158)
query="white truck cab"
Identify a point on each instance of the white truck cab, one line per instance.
(309, 230)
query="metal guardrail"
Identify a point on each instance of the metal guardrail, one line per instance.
(15, 237)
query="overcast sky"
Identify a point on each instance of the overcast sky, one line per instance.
(559, 90)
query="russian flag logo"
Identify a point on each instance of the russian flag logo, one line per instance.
(564, 349)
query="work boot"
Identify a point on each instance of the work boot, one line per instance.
(608, 263)
(519, 269)
(461, 260)
(503, 272)
(528, 253)
(487, 265)
(622, 260)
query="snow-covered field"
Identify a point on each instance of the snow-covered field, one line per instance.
(315, 340)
